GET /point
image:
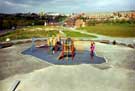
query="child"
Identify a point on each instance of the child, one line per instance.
(92, 49)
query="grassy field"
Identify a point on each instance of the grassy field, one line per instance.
(42, 27)
(39, 32)
(114, 30)
(77, 34)
(29, 32)
(21, 34)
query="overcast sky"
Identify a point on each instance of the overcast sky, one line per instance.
(65, 6)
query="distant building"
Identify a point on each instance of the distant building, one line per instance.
(75, 21)
(132, 15)
(69, 22)
(79, 23)
(52, 14)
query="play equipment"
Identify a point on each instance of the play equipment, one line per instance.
(54, 43)
(68, 49)
(38, 43)
(51, 43)
(68, 53)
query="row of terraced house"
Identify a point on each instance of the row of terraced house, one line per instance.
(80, 20)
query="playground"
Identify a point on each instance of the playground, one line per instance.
(58, 50)
(64, 57)
(63, 60)
(30, 69)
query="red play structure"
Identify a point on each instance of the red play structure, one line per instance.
(68, 49)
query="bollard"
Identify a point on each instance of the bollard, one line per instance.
(33, 44)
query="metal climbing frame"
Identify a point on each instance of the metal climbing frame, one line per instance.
(68, 49)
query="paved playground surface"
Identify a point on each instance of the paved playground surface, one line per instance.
(45, 54)
(36, 74)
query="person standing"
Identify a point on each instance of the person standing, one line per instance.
(92, 49)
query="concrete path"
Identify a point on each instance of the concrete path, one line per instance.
(116, 75)
(102, 37)
(12, 62)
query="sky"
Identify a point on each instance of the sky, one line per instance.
(65, 6)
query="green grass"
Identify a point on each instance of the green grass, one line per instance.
(25, 34)
(32, 31)
(113, 30)
(76, 34)
(43, 27)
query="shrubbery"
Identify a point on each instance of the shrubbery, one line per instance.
(9, 21)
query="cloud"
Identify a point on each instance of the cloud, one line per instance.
(15, 4)
(65, 5)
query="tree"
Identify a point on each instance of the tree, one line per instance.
(91, 22)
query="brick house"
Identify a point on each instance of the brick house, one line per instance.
(79, 23)
(76, 23)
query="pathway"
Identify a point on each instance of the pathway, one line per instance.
(102, 37)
